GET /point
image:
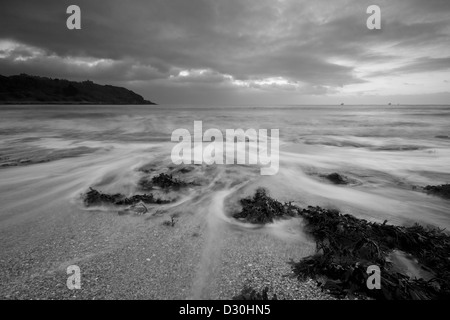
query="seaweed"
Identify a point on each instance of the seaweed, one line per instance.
(346, 246)
(146, 198)
(164, 181)
(336, 178)
(442, 190)
(248, 293)
(261, 208)
(94, 197)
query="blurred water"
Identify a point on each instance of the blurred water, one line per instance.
(385, 151)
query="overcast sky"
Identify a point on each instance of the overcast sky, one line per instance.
(238, 51)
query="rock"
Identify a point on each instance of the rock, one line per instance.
(28, 89)
(336, 178)
(94, 197)
(441, 190)
(166, 181)
(346, 246)
(263, 209)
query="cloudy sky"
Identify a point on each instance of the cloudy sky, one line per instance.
(238, 51)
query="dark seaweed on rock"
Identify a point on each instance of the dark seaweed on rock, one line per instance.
(442, 190)
(167, 181)
(249, 293)
(336, 178)
(146, 198)
(346, 246)
(164, 181)
(94, 197)
(263, 209)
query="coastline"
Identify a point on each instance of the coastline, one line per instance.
(26, 103)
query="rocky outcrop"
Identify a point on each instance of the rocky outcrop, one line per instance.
(26, 89)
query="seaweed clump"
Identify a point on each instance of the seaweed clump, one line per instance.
(442, 190)
(94, 197)
(336, 178)
(248, 293)
(347, 246)
(261, 208)
(164, 181)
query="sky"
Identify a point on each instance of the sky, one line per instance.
(224, 52)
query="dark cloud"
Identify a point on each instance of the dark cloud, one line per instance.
(202, 49)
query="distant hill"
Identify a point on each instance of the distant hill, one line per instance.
(26, 89)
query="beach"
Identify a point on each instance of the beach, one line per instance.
(51, 155)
